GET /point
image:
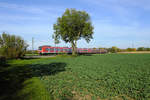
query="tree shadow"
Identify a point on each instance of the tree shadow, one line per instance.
(11, 79)
(28, 58)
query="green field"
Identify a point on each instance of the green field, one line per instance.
(96, 77)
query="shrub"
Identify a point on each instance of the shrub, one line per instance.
(113, 49)
(131, 49)
(12, 46)
(143, 49)
(147, 49)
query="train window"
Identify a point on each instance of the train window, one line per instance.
(51, 49)
(55, 49)
(59, 50)
(40, 48)
(66, 50)
(85, 50)
(47, 49)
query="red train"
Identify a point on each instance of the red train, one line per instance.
(56, 50)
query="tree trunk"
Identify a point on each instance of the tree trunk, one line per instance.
(76, 47)
(73, 48)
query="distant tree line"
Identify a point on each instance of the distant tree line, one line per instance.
(143, 49)
(115, 49)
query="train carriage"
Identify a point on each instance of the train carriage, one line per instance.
(56, 50)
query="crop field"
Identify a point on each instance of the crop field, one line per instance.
(95, 77)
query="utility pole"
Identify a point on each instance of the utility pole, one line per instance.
(32, 45)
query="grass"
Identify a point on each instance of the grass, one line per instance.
(96, 77)
(33, 90)
(31, 54)
(20, 80)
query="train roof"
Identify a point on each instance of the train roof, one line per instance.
(52, 46)
(45, 46)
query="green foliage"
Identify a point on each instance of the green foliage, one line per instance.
(108, 77)
(72, 26)
(113, 49)
(12, 46)
(143, 49)
(147, 49)
(20, 80)
(131, 49)
(34, 90)
(104, 76)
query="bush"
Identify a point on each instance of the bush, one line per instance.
(143, 49)
(131, 49)
(113, 49)
(12, 46)
(147, 49)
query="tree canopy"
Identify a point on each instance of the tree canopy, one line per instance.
(73, 25)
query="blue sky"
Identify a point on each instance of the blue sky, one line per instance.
(121, 23)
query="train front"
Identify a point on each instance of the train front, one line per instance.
(40, 50)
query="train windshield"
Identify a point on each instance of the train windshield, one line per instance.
(40, 48)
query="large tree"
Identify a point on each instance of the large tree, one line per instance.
(72, 26)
